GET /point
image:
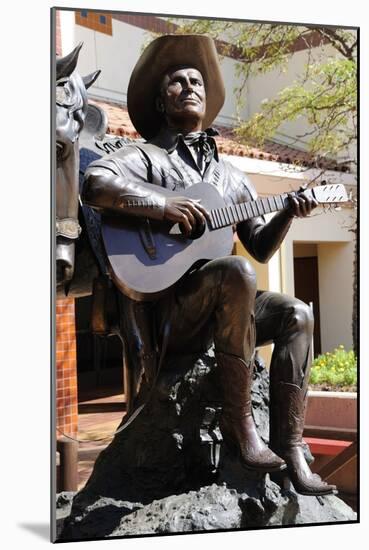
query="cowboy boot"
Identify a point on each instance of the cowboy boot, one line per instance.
(286, 428)
(273, 428)
(237, 423)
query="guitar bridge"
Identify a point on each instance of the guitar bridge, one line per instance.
(147, 239)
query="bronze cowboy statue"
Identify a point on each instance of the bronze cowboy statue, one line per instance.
(175, 92)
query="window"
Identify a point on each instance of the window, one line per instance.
(94, 20)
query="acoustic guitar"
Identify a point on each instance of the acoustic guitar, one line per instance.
(148, 257)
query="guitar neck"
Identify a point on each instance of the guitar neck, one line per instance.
(236, 213)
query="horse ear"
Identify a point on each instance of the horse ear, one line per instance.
(66, 65)
(90, 78)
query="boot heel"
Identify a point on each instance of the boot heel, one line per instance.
(281, 478)
(232, 446)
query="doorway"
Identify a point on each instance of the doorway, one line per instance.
(306, 279)
(99, 359)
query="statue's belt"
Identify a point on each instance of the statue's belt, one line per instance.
(67, 227)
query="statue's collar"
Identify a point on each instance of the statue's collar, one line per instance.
(169, 139)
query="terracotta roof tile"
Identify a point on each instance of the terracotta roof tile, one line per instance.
(228, 144)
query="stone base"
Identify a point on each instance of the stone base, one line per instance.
(170, 472)
(211, 508)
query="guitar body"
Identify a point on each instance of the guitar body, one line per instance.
(146, 259)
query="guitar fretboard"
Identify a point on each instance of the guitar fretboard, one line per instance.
(236, 213)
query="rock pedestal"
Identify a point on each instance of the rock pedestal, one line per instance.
(170, 472)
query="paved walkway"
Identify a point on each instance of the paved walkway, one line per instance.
(98, 418)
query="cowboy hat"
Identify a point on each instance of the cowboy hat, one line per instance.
(196, 51)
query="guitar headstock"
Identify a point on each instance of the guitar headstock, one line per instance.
(330, 194)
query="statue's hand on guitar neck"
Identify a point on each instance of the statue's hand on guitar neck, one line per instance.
(301, 204)
(188, 213)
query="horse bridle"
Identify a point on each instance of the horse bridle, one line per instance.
(68, 227)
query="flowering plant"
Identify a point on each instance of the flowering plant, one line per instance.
(337, 369)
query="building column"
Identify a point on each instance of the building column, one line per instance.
(66, 395)
(58, 46)
(66, 368)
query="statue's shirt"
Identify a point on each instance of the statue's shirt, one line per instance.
(172, 161)
(167, 161)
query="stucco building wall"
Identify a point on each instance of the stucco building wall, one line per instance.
(116, 55)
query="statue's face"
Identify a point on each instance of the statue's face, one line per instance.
(183, 95)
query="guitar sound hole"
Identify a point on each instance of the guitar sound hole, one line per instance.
(197, 232)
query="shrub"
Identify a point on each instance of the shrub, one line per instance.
(337, 369)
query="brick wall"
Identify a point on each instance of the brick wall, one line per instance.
(58, 34)
(94, 20)
(66, 355)
(66, 368)
(147, 22)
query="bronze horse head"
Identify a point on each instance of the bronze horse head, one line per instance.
(71, 110)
